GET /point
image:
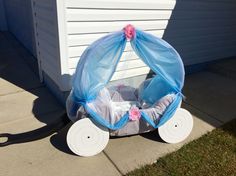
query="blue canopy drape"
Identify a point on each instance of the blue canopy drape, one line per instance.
(99, 61)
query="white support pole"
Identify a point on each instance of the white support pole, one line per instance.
(63, 47)
(36, 40)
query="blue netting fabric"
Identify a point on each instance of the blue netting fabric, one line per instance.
(98, 64)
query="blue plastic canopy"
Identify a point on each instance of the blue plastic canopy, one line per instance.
(99, 61)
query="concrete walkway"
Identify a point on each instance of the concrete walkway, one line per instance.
(25, 104)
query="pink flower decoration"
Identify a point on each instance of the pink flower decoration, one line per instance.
(134, 113)
(129, 31)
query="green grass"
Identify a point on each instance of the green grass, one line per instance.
(212, 154)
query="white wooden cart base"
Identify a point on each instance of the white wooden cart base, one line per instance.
(177, 128)
(85, 138)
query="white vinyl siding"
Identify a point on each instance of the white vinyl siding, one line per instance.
(89, 20)
(47, 42)
(18, 14)
(3, 22)
(200, 30)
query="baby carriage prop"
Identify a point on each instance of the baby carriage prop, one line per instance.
(100, 110)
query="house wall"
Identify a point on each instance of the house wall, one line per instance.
(200, 30)
(3, 22)
(20, 22)
(90, 20)
(203, 30)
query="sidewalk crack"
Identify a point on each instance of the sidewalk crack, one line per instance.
(112, 162)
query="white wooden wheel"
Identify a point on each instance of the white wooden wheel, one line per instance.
(177, 128)
(84, 138)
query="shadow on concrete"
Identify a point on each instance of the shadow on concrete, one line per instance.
(58, 140)
(19, 72)
(153, 135)
(34, 135)
(19, 68)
